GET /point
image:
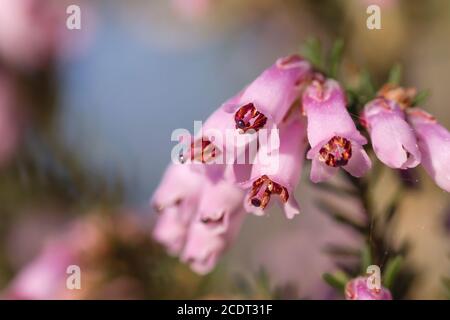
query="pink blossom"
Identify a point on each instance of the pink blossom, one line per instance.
(434, 144)
(45, 277)
(219, 200)
(171, 229)
(278, 174)
(393, 140)
(207, 240)
(266, 101)
(29, 30)
(357, 289)
(335, 141)
(179, 185)
(176, 200)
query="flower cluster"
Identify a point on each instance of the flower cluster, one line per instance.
(404, 137)
(201, 210)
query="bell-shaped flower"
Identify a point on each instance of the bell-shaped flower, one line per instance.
(434, 144)
(393, 139)
(179, 185)
(335, 141)
(176, 200)
(276, 172)
(215, 226)
(267, 100)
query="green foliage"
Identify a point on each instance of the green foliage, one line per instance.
(420, 98)
(391, 271)
(395, 75)
(337, 280)
(312, 51)
(335, 58)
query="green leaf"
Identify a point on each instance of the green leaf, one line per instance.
(366, 87)
(340, 216)
(336, 57)
(366, 258)
(390, 273)
(312, 51)
(395, 75)
(337, 280)
(263, 282)
(420, 98)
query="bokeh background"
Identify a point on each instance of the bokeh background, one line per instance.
(85, 126)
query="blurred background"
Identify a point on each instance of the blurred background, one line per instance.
(86, 118)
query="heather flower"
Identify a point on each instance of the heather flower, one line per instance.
(278, 174)
(176, 200)
(30, 30)
(219, 200)
(45, 277)
(212, 141)
(179, 185)
(434, 144)
(171, 229)
(393, 140)
(267, 100)
(207, 240)
(335, 141)
(357, 289)
(215, 202)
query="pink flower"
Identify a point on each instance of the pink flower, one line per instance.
(207, 240)
(45, 277)
(278, 174)
(212, 142)
(393, 140)
(30, 30)
(434, 144)
(176, 200)
(171, 229)
(335, 141)
(215, 225)
(357, 289)
(266, 101)
(179, 185)
(219, 200)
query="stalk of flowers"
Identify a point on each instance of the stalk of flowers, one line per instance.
(265, 103)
